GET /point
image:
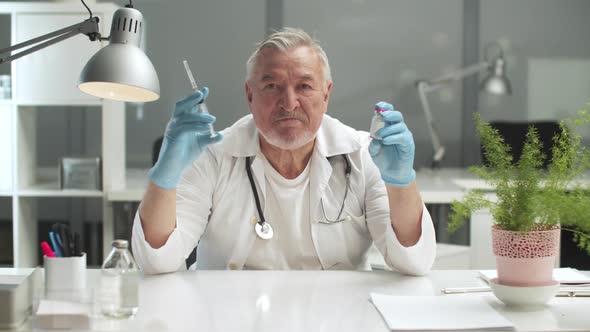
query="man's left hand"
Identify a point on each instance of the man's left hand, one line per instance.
(394, 153)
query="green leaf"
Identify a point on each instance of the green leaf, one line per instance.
(528, 197)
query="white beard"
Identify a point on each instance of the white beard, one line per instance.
(288, 143)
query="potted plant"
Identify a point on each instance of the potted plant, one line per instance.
(530, 205)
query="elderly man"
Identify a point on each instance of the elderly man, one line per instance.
(286, 187)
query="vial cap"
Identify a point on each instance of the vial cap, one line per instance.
(120, 244)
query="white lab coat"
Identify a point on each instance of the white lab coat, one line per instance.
(215, 207)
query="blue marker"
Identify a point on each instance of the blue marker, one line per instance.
(56, 248)
(58, 239)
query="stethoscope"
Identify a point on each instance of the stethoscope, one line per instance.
(264, 230)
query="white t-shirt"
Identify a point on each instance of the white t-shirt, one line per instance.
(287, 211)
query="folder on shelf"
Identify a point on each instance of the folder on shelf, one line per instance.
(439, 313)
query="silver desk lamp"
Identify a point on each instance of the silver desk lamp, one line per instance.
(119, 71)
(495, 82)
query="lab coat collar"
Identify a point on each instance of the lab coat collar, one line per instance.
(333, 138)
(241, 139)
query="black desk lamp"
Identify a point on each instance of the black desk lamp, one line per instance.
(119, 71)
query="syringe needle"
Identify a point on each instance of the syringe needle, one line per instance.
(191, 78)
(203, 107)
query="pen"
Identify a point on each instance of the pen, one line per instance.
(72, 243)
(58, 240)
(61, 242)
(47, 249)
(560, 293)
(574, 293)
(64, 233)
(461, 290)
(77, 247)
(54, 244)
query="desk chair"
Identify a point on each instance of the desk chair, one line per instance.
(192, 258)
(156, 149)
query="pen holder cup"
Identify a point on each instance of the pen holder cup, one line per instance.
(64, 276)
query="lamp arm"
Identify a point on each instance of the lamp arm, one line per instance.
(428, 86)
(439, 149)
(456, 75)
(88, 27)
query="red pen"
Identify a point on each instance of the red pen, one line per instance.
(47, 249)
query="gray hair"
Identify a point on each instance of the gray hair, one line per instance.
(285, 39)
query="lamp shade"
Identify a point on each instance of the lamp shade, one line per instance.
(121, 71)
(496, 81)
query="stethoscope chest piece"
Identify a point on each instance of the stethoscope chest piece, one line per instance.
(264, 230)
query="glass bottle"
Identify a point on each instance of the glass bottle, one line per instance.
(119, 282)
(377, 122)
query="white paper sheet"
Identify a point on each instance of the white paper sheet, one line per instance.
(439, 313)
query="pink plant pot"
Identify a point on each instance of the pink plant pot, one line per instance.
(525, 258)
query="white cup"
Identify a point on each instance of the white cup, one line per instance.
(64, 275)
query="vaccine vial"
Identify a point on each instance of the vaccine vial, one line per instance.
(377, 122)
(119, 282)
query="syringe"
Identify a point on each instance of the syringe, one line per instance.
(203, 107)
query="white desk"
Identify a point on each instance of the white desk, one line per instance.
(306, 301)
(136, 181)
(442, 186)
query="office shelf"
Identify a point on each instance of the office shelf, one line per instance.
(46, 81)
(47, 185)
(51, 189)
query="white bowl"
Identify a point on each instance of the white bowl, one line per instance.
(522, 296)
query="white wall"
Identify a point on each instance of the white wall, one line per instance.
(554, 32)
(216, 37)
(378, 48)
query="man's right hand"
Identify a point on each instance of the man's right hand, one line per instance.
(187, 135)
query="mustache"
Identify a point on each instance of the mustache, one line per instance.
(286, 115)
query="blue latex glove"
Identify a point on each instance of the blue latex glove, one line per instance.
(187, 135)
(394, 154)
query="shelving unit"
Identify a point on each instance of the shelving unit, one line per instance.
(49, 78)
